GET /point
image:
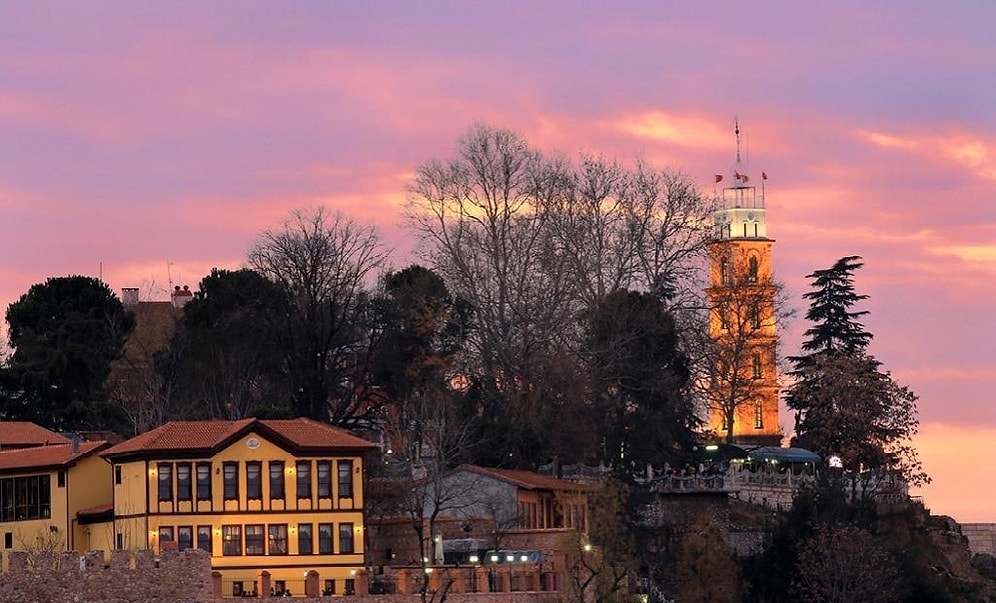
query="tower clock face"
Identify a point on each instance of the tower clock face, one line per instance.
(750, 215)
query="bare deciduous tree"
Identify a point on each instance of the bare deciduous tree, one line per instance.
(845, 564)
(534, 243)
(323, 260)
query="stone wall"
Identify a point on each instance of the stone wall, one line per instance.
(127, 577)
(139, 577)
(981, 537)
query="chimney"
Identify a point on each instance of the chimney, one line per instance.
(129, 296)
(181, 296)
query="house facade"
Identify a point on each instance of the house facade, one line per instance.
(480, 515)
(283, 497)
(43, 488)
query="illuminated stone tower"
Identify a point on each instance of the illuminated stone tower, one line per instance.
(743, 392)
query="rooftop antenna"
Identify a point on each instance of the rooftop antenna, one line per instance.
(736, 131)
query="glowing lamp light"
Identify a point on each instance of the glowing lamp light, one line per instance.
(510, 558)
(587, 547)
(712, 447)
(474, 559)
(494, 558)
(524, 558)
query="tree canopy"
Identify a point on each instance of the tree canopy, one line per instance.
(845, 405)
(65, 333)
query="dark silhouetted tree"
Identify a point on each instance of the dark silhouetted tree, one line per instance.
(322, 262)
(65, 333)
(640, 381)
(844, 403)
(225, 354)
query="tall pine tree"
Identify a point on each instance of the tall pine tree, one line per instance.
(844, 404)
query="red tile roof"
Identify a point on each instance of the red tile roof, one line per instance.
(59, 455)
(96, 510)
(22, 434)
(178, 437)
(526, 479)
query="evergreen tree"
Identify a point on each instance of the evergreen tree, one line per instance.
(65, 333)
(836, 327)
(640, 380)
(844, 403)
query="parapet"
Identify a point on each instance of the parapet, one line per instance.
(121, 577)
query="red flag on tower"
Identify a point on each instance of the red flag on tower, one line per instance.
(719, 177)
(764, 175)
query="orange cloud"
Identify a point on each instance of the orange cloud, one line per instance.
(975, 254)
(964, 150)
(665, 127)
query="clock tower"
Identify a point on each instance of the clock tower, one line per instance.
(743, 388)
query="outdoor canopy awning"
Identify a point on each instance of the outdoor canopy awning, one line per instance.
(783, 455)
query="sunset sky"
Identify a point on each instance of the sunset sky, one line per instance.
(150, 142)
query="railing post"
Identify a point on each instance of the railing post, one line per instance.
(362, 583)
(404, 582)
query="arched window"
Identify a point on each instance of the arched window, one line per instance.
(755, 315)
(756, 366)
(752, 269)
(758, 415)
(724, 271)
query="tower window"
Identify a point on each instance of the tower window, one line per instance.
(758, 415)
(724, 271)
(755, 315)
(756, 366)
(752, 270)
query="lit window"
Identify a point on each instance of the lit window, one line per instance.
(758, 415)
(752, 270)
(254, 539)
(231, 540)
(278, 539)
(756, 366)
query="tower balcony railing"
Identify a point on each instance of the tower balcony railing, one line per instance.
(742, 196)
